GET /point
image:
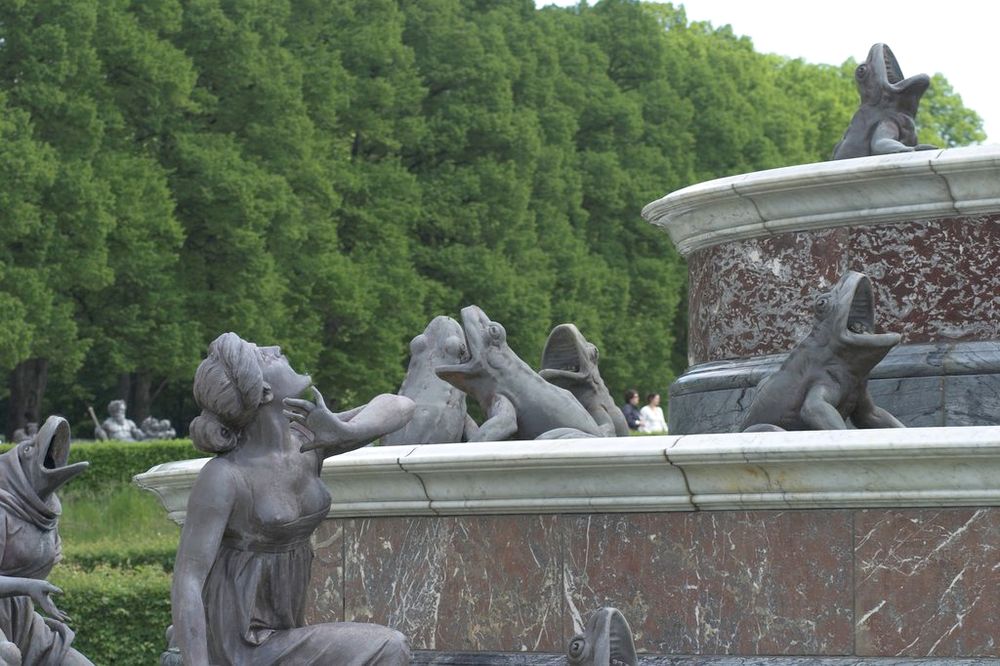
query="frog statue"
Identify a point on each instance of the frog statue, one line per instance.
(30, 473)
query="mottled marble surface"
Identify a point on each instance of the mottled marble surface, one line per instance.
(934, 280)
(717, 583)
(754, 297)
(926, 582)
(903, 585)
(458, 583)
(326, 587)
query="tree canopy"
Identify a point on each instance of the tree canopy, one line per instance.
(329, 176)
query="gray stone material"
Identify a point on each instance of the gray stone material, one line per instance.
(30, 474)
(884, 123)
(607, 639)
(878, 190)
(927, 384)
(968, 399)
(154, 428)
(569, 361)
(440, 415)
(117, 426)
(244, 558)
(518, 403)
(823, 382)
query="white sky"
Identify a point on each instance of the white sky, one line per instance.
(958, 38)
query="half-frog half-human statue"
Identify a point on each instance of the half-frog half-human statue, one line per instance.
(244, 559)
(30, 474)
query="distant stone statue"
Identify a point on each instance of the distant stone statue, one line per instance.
(884, 123)
(244, 559)
(116, 426)
(517, 401)
(606, 640)
(153, 428)
(569, 361)
(29, 430)
(30, 474)
(824, 380)
(440, 416)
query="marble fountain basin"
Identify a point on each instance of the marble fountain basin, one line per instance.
(834, 547)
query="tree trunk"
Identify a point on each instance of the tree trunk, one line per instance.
(138, 407)
(27, 388)
(124, 389)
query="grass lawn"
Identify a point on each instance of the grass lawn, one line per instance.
(120, 526)
(118, 552)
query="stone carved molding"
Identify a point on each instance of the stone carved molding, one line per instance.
(915, 467)
(861, 191)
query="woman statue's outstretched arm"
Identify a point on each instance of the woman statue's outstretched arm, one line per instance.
(339, 433)
(212, 499)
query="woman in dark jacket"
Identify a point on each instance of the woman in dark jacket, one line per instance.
(631, 409)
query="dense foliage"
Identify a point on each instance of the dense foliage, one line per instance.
(329, 176)
(120, 615)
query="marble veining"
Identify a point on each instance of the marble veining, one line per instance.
(718, 583)
(458, 583)
(326, 587)
(934, 281)
(926, 582)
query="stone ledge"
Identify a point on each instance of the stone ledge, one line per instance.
(863, 191)
(913, 467)
(430, 658)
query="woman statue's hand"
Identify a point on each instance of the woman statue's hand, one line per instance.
(325, 429)
(39, 590)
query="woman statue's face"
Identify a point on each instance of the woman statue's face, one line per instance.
(283, 380)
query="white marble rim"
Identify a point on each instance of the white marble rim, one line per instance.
(908, 467)
(863, 191)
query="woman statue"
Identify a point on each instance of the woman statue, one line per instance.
(244, 558)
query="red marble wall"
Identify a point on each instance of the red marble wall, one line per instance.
(934, 280)
(909, 583)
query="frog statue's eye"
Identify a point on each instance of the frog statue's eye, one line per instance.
(577, 648)
(496, 332)
(861, 70)
(822, 304)
(453, 347)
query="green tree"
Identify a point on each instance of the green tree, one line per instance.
(944, 121)
(50, 70)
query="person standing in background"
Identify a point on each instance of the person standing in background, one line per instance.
(652, 415)
(631, 409)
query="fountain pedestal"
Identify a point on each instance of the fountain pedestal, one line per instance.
(925, 227)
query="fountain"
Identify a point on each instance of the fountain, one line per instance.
(829, 547)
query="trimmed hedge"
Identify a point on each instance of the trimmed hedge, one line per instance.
(120, 616)
(112, 553)
(114, 463)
